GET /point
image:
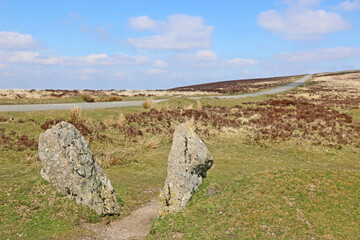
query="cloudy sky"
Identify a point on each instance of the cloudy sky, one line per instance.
(158, 44)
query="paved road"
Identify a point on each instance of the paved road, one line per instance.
(64, 106)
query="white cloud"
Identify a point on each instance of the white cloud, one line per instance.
(142, 23)
(206, 55)
(75, 16)
(91, 71)
(308, 2)
(349, 5)
(119, 59)
(160, 64)
(176, 75)
(3, 66)
(200, 55)
(319, 54)
(300, 22)
(17, 41)
(155, 71)
(209, 59)
(180, 32)
(119, 74)
(239, 62)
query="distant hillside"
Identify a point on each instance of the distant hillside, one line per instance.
(239, 86)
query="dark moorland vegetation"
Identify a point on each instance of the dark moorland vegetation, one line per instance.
(239, 86)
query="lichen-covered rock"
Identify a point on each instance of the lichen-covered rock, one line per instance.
(68, 163)
(188, 162)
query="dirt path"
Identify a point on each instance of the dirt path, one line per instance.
(64, 106)
(136, 226)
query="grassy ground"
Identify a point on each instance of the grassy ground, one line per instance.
(76, 99)
(263, 185)
(4, 101)
(100, 98)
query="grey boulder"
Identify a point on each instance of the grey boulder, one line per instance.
(68, 163)
(188, 162)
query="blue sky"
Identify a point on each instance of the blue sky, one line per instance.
(142, 44)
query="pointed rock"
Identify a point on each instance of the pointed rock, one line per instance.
(68, 163)
(188, 162)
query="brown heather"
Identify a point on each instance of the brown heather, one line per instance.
(239, 86)
(11, 141)
(89, 129)
(268, 120)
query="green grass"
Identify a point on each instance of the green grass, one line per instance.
(274, 204)
(30, 207)
(284, 190)
(76, 99)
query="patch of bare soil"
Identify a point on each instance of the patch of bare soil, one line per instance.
(136, 226)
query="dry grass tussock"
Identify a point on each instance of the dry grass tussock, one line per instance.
(32, 158)
(114, 122)
(148, 104)
(152, 142)
(75, 114)
(189, 107)
(198, 105)
(161, 107)
(108, 158)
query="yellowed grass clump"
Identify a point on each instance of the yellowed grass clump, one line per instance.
(75, 114)
(121, 120)
(198, 105)
(151, 142)
(161, 107)
(112, 122)
(108, 158)
(188, 107)
(148, 104)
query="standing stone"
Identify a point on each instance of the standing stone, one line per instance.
(68, 163)
(188, 162)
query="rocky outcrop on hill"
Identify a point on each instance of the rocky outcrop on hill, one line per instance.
(68, 163)
(188, 162)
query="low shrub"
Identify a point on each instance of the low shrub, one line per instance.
(114, 99)
(87, 97)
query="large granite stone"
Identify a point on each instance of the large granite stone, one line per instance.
(68, 163)
(188, 162)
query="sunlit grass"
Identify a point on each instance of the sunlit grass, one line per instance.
(282, 189)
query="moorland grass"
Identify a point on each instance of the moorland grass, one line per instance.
(274, 189)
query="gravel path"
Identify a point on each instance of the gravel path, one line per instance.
(67, 106)
(136, 226)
